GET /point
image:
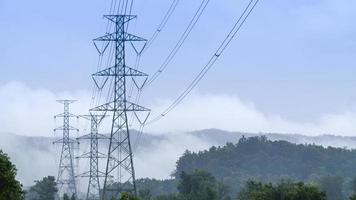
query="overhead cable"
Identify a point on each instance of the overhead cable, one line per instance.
(233, 32)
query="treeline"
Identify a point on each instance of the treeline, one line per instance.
(271, 161)
(201, 185)
(256, 158)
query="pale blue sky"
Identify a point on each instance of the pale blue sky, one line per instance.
(293, 58)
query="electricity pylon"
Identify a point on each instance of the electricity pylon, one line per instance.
(66, 177)
(119, 173)
(93, 192)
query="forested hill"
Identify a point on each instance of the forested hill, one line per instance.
(271, 161)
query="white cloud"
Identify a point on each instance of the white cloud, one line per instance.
(230, 113)
(29, 111)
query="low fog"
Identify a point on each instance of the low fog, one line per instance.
(155, 155)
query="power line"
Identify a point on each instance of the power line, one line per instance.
(181, 41)
(152, 39)
(236, 28)
(174, 51)
(154, 36)
(163, 23)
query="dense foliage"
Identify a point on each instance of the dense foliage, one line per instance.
(271, 161)
(10, 188)
(153, 187)
(333, 186)
(199, 185)
(281, 191)
(128, 196)
(45, 189)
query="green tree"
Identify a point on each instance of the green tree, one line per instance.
(223, 191)
(10, 188)
(145, 194)
(332, 185)
(169, 197)
(257, 191)
(353, 186)
(128, 196)
(45, 189)
(283, 191)
(65, 197)
(300, 191)
(200, 185)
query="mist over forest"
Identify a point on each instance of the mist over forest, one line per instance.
(155, 155)
(232, 158)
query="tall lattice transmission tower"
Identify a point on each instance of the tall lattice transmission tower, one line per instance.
(94, 174)
(119, 172)
(66, 177)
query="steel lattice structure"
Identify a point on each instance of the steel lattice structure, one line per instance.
(93, 192)
(66, 177)
(119, 173)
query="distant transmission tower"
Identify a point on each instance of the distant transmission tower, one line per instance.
(119, 173)
(66, 177)
(93, 192)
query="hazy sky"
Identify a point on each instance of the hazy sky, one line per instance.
(294, 60)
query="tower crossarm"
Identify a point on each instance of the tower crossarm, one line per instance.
(128, 72)
(62, 128)
(111, 37)
(88, 174)
(126, 18)
(89, 137)
(65, 115)
(124, 106)
(90, 155)
(66, 101)
(61, 141)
